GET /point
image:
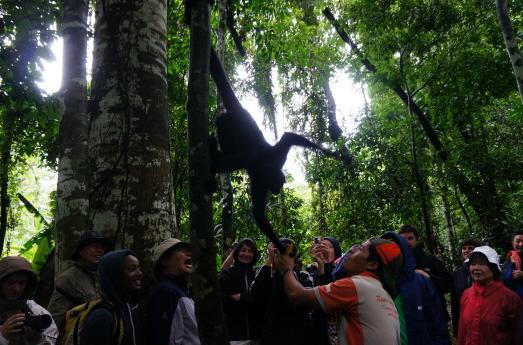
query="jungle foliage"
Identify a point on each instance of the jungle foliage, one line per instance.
(447, 56)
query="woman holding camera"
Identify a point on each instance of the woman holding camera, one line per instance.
(22, 320)
(325, 251)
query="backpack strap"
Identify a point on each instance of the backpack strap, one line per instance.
(76, 336)
(118, 331)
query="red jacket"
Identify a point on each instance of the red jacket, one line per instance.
(489, 315)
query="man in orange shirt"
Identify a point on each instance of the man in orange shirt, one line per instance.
(362, 301)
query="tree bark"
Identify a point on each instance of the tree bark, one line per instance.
(129, 148)
(511, 43)
(72, 194)
(205, 280)
(227, 199)
(5, 162)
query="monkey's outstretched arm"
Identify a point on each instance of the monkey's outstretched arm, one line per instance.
(288, 139)
(259, 200)
(222, 83)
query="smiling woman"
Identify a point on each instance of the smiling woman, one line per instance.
(76, 285)
(120, 280)
(489, 310)
(242, 313)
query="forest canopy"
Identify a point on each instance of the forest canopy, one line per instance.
(438, 141)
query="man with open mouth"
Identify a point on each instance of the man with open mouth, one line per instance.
(171, 309)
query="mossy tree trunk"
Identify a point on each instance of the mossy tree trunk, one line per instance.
(72, 194)
(227, 196)
(5, 161)
(131, 195)
(205, 279)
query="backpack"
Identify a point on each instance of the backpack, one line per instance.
(74, 320)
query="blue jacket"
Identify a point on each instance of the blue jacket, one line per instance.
(511, 283)
(426, 320)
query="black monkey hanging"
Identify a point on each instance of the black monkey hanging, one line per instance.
(242, 146)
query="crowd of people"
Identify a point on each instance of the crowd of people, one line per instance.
(386, 290)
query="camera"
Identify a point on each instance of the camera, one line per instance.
(316, 239)
(37, 322)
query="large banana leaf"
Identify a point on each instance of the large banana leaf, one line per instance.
(43, 240)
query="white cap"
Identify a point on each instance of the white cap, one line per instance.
(489, 253)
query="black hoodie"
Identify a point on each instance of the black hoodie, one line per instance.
(243, 317)
(100, 325)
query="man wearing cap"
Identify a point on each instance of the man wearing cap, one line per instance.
(362, 300)
(489, 310)
(171, 309)
(76, 285)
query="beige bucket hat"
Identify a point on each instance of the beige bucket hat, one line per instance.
(165, 247)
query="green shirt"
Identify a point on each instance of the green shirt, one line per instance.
(398, 302)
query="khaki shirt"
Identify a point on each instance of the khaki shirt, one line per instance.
(75, 286)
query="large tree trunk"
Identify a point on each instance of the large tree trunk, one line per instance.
(227, 199)
(72, 191)
(511, 43)
(5, 161)
(205, 279)
(131, 186)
